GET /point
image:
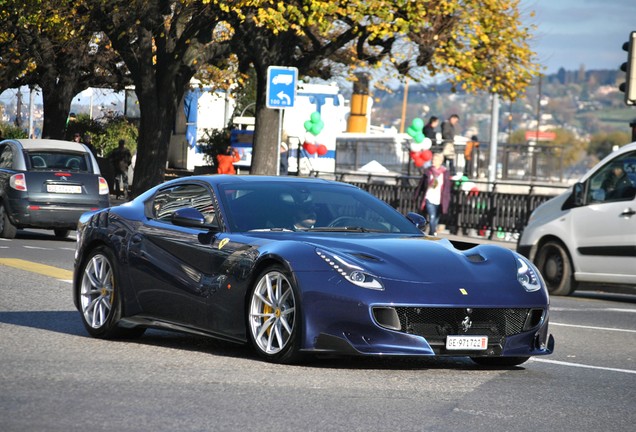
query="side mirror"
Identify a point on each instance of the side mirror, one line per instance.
(188, 217)
(578, 194)
(418, 220)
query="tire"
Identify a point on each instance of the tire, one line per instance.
(553, 261)
(7, 229)
(61, 233)
(499, 361)
(273, 316)
(100, 297)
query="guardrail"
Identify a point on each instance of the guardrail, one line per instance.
(503, 207)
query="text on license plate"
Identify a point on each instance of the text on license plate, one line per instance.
(466, 342)
(53, 188)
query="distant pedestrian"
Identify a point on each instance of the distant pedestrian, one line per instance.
(77, 137)
(284, 158)
(433, 192)
(429, 132)
(120, 158)
(226, 160)
(472, 147)
(88, 142)
(448, 142)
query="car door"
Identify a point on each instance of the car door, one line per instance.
(604, 229)
(174, 269)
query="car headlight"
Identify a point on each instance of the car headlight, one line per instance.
(528, 276)
(351, 272)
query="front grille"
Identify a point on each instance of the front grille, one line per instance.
(435, 324)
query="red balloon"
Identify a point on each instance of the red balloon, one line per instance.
(321, 150)
(418, 161)
(427, 155)
(309, 147)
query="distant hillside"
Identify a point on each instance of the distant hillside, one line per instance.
(585, 102)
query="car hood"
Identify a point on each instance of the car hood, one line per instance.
(415, 258)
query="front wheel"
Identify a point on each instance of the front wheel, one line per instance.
(274, 316)
(553, 262)
(499, 361)
(100, 297)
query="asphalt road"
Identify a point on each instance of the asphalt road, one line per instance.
(53, 377)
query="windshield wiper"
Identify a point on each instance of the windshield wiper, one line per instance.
(270, 229)
(342, 229)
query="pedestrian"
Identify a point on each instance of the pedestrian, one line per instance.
(88, 142)
(121, 159)
(430, 133)
(433, 192)
(448, 142)
(77, 137)
(284, 160)
(470, 151)
(225, 161)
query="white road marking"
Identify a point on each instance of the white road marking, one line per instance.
(36, 247)
(68, 249)
(4, 247)
(558, 309)
(592, 327)
(4, 239)
(562, 363)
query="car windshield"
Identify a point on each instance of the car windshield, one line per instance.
(56, 160)
(307, 206)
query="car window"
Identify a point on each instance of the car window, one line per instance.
(616, 181)
(307, 206)
(171, 199)
(6, 157)
(54, 160)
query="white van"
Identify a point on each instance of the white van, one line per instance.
(588, 233)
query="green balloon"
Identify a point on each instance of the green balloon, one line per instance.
(308, 124)
(411, 131)
(315, 117)
(419, 137)
(315, 130)
(418, 123)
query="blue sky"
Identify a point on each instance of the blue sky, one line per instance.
(571, 33)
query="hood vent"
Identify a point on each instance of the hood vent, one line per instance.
(476, 258)
(365, 257)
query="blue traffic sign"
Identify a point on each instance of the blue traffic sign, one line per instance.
(281, 87)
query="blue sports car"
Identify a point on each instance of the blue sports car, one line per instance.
(302, 266)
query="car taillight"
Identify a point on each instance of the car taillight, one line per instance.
(103, 186)
(18, 182)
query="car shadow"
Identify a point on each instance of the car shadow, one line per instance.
(42, 235)
(69, 323)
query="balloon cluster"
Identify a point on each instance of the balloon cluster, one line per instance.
(416, 130)
(420, 147)
(314, 126)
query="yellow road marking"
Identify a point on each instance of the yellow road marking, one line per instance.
(34, 267)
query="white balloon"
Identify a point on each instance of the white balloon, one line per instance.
(426, 144)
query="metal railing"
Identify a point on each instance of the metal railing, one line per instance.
(503, 207)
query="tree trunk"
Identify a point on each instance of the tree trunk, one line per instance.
(56, 99)
(266, 146)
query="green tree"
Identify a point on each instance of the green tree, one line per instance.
(53, 46)
(480, 45)
(163, 43)
(602, 144)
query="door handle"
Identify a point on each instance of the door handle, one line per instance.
(628, 213)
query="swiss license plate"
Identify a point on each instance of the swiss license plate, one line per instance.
(71, 189)
(475, 343)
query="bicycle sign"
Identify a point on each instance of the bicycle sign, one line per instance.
(281, 87)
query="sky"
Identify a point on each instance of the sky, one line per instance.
(571, 33)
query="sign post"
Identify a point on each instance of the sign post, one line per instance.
(281, 94)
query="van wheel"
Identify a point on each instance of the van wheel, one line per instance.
(553, 261)
(7, 229)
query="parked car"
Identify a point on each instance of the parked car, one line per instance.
(47, 184)
(297, 266)
(588, 233)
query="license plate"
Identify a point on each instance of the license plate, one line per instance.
(475, 343)
(53, 188)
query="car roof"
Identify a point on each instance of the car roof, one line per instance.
(50, 144)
